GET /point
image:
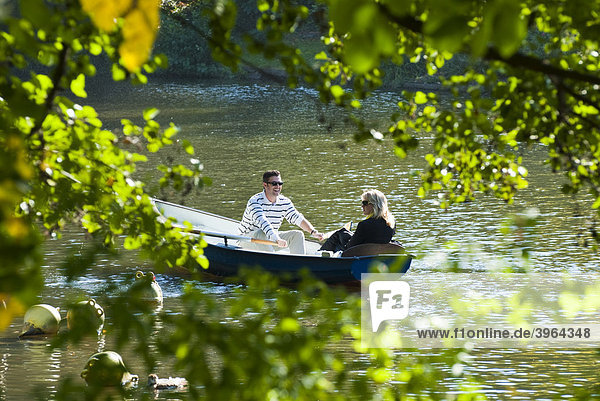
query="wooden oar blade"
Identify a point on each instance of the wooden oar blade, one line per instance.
(198, 231)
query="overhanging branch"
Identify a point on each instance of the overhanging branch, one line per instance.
(535, 64)
(517, 60)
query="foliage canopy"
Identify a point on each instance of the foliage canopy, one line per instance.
(61, 167)
(532, 81)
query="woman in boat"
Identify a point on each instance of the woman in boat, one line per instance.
(378, 228)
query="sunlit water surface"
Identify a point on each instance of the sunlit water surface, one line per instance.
(239, 131)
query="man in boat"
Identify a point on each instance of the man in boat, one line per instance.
(264, 214)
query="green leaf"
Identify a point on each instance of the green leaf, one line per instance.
(342, 13)
(150, 113)
(36, 12)
(337, 91)
(118, 73)
(78, 86)
(289, 325)
(263, 6)
(447, 33)
(381, 375)
(420, 97)
(508, 27)
(132, 243)
(321, 56)
(361, 55)
(187, 146)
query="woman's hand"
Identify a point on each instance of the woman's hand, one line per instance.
(317, 235)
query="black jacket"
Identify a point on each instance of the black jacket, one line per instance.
(371, 231)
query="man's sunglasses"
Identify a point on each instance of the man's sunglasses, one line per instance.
(274, 183)
(365, 203)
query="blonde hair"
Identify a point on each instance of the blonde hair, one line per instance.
(380, 206)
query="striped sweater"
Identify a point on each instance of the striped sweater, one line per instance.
(262, 214)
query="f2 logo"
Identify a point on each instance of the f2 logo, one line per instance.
(389, 300)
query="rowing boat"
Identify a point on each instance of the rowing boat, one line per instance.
(226, 256)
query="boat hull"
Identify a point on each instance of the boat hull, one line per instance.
(226, 258)
(226, 261)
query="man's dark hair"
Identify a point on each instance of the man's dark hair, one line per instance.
(269, 174)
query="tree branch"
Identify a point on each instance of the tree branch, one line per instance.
(535, 64)
(57, 75)
(578, 96)
(516, 60)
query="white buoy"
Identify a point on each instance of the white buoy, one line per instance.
(41, 319)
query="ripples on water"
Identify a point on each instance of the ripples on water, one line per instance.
(240, 131)
(254, 128)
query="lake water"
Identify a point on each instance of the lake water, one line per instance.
(238, 132)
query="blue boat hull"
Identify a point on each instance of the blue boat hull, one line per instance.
(226, 261)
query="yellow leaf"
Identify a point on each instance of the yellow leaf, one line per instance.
(104, 13)
(139, 28)
(139, 32)
(16, 228)
(9, 308)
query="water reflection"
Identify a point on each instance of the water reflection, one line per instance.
(240, 131)
(3, 375)
(538, 373)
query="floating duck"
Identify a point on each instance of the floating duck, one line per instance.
(150, 289)
(107, 369)
(172, 383)
(85, 317)
(41, 319)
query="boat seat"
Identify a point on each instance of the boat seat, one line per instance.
(373, 249)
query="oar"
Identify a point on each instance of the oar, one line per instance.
(347, 226)
(228, 236)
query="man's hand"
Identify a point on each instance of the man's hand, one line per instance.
(282, 243)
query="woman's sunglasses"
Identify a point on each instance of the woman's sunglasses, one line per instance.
(365, 203)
